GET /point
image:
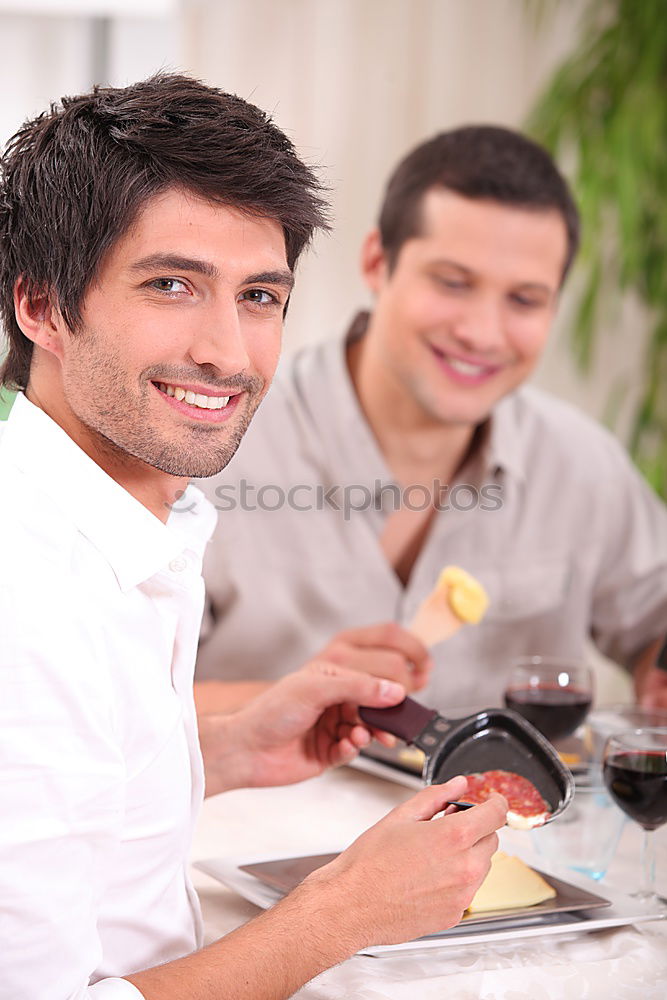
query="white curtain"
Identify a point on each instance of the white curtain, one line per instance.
(49, 48)
(355, 83)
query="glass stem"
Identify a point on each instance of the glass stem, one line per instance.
(647, 889)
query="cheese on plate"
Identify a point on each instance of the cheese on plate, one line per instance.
(509, 885)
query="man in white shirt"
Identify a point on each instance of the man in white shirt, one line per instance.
(148, 237)
(410, 442)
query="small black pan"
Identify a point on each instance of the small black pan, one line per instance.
(493, 739)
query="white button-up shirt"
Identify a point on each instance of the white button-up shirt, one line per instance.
(100, 770)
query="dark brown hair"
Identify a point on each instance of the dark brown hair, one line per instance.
(74, 179)
(483, 162)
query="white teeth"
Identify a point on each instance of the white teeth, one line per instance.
(194, 398)
(465, 367)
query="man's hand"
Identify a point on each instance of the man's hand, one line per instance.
(650, 681)
(411, 874)
(380, 650)
(386, 650)
(408, 875)
(220, 697)
(302, 724)
(653, 690)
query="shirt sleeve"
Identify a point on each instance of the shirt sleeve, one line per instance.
(630, 599)
(62, 794)
(220, 594)
(113, 989)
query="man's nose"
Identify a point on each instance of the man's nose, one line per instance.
(220, 339)
(481, 326)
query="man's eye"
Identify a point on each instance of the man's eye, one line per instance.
(451, 283)
(171, 286)
(527, 302)
(260, 297)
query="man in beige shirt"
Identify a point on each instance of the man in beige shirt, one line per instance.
(412, 443)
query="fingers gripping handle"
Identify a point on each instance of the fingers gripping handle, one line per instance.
(407, 720)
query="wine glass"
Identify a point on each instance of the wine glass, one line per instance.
(553, 694)
(635, 772)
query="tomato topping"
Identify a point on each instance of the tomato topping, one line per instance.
(522, 796)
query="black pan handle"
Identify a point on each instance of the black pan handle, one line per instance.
(407, 719)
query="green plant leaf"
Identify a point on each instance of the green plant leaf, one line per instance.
(605, 111)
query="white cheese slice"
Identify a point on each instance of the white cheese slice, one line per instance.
(518, 822)
(510, 884)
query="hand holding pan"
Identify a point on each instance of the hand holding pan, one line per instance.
(492, 739)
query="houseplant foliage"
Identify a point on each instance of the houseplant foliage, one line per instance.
(604, 115)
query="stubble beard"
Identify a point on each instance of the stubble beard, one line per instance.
(117, 420)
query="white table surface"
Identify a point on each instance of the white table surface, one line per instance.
(628, 963)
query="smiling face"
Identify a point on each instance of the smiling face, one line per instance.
(463, 317)
(180, 338)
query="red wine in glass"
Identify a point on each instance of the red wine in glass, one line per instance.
(555, 711)
(635, 772)
(553, 695)
(637, 781)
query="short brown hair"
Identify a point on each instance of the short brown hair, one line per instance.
(74, 179)
(482, 162)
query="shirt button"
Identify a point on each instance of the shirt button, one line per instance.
(178, 564)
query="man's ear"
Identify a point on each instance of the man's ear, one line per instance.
(38, 319)
(373, 261)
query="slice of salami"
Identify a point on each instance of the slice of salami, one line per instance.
(522, 796)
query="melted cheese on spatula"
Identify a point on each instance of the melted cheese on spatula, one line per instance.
(456, 600)
(510, 884)
(466, 596)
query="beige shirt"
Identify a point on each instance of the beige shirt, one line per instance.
(563, 533)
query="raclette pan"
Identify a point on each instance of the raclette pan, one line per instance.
(492, 739)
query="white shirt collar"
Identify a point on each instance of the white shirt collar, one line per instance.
(135, 543)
